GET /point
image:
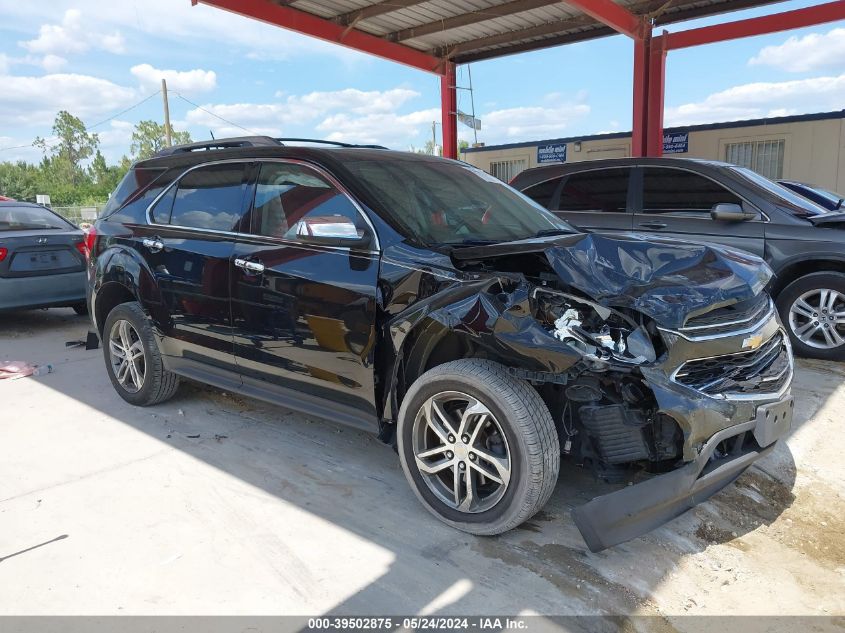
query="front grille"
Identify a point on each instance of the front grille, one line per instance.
(728, 319)
(761, 371)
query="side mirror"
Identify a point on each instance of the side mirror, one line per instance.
(331, 231)
(729, 212)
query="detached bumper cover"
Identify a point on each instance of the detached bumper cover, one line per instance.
(620, 516)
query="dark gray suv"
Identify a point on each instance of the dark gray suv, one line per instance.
(697, 200)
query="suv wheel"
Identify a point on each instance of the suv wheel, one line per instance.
(813, 310)
(132, 358)
(478, 446)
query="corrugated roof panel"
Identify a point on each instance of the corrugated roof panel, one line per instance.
(541, 21)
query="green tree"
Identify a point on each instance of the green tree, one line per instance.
(73, 145)
(149, 137)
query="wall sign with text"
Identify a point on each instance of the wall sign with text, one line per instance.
(551, 153)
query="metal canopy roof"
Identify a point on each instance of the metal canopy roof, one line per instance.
(463, 31)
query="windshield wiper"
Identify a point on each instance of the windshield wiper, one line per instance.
(548, 232)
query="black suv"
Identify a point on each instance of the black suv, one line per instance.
(427, 301)
(710, 201)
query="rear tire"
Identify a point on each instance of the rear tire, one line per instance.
(508, 439)
(809, 304)
(128, 340)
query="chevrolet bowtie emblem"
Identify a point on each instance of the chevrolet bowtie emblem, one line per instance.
(752, 342)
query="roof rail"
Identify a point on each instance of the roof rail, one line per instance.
(324, 142)
(223, 143)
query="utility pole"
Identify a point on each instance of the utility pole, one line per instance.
(167, 132)
(434, 138)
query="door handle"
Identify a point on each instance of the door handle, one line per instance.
(653, 225)
(153, 244)
(255, 268)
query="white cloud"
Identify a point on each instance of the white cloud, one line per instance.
(814, 51)
(35, 100)
(762, 99)
(552, 118)
(175, 21)
(196, 80)
(398, 131)
(115, 140)
(74, 35)
(53, 63)
(354, 115)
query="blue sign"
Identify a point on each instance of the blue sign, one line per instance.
(551, 153)
(676, 143)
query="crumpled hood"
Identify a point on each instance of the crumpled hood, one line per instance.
(667, 280)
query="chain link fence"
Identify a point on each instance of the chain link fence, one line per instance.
(80, 215)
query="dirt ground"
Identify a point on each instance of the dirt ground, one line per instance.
(214, 504)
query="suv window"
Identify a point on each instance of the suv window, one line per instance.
(682, 192)
(292, 200)
(209, 197)
(543, 193)
(604, 190)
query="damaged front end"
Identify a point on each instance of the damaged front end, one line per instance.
(659, 361)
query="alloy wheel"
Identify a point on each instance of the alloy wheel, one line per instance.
(817, 318)
(461, 452)
(126, 352)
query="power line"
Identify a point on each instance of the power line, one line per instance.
(49, 143)
(217, 116)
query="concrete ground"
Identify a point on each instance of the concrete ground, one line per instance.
(213, 504)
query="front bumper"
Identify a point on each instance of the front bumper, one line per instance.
(723, 435)
(635, 510)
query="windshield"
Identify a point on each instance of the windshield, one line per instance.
(450, 203)
(14, 218)
(798, 205)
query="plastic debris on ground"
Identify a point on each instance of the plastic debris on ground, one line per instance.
(14, 369)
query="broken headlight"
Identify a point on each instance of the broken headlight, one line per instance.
(599, 333)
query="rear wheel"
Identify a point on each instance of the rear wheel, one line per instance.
(813, 310)
(132, 358)
(478, 446)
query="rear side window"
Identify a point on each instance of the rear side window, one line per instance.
(208, 197)
(682, 192)
(602, 190)
(128, 203)
(543, 193)
(14, 218)
(292, 200)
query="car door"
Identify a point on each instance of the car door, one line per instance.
(595, 199)
(303, 285)
(675, 202)
(188, 246)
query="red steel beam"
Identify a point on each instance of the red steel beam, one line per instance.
(640, 101)
(449, 110)
(608, 12)
(307, 24)
(656, 95)
(784, 21)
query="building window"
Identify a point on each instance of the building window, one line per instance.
(764, 157)
(505, 170)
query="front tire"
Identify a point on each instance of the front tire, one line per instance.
(80, 308)
(478, 446)
(133, 361)
(812, 309)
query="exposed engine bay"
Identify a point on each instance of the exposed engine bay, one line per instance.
(609, 417)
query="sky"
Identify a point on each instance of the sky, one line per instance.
(230, 76)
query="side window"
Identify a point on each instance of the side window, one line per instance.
(292, 200)
(542, 193)
(208, 197)
(604, 190)
(683, 193)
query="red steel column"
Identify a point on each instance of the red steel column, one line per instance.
(449, 107)
(640, 102)
(656, 89)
